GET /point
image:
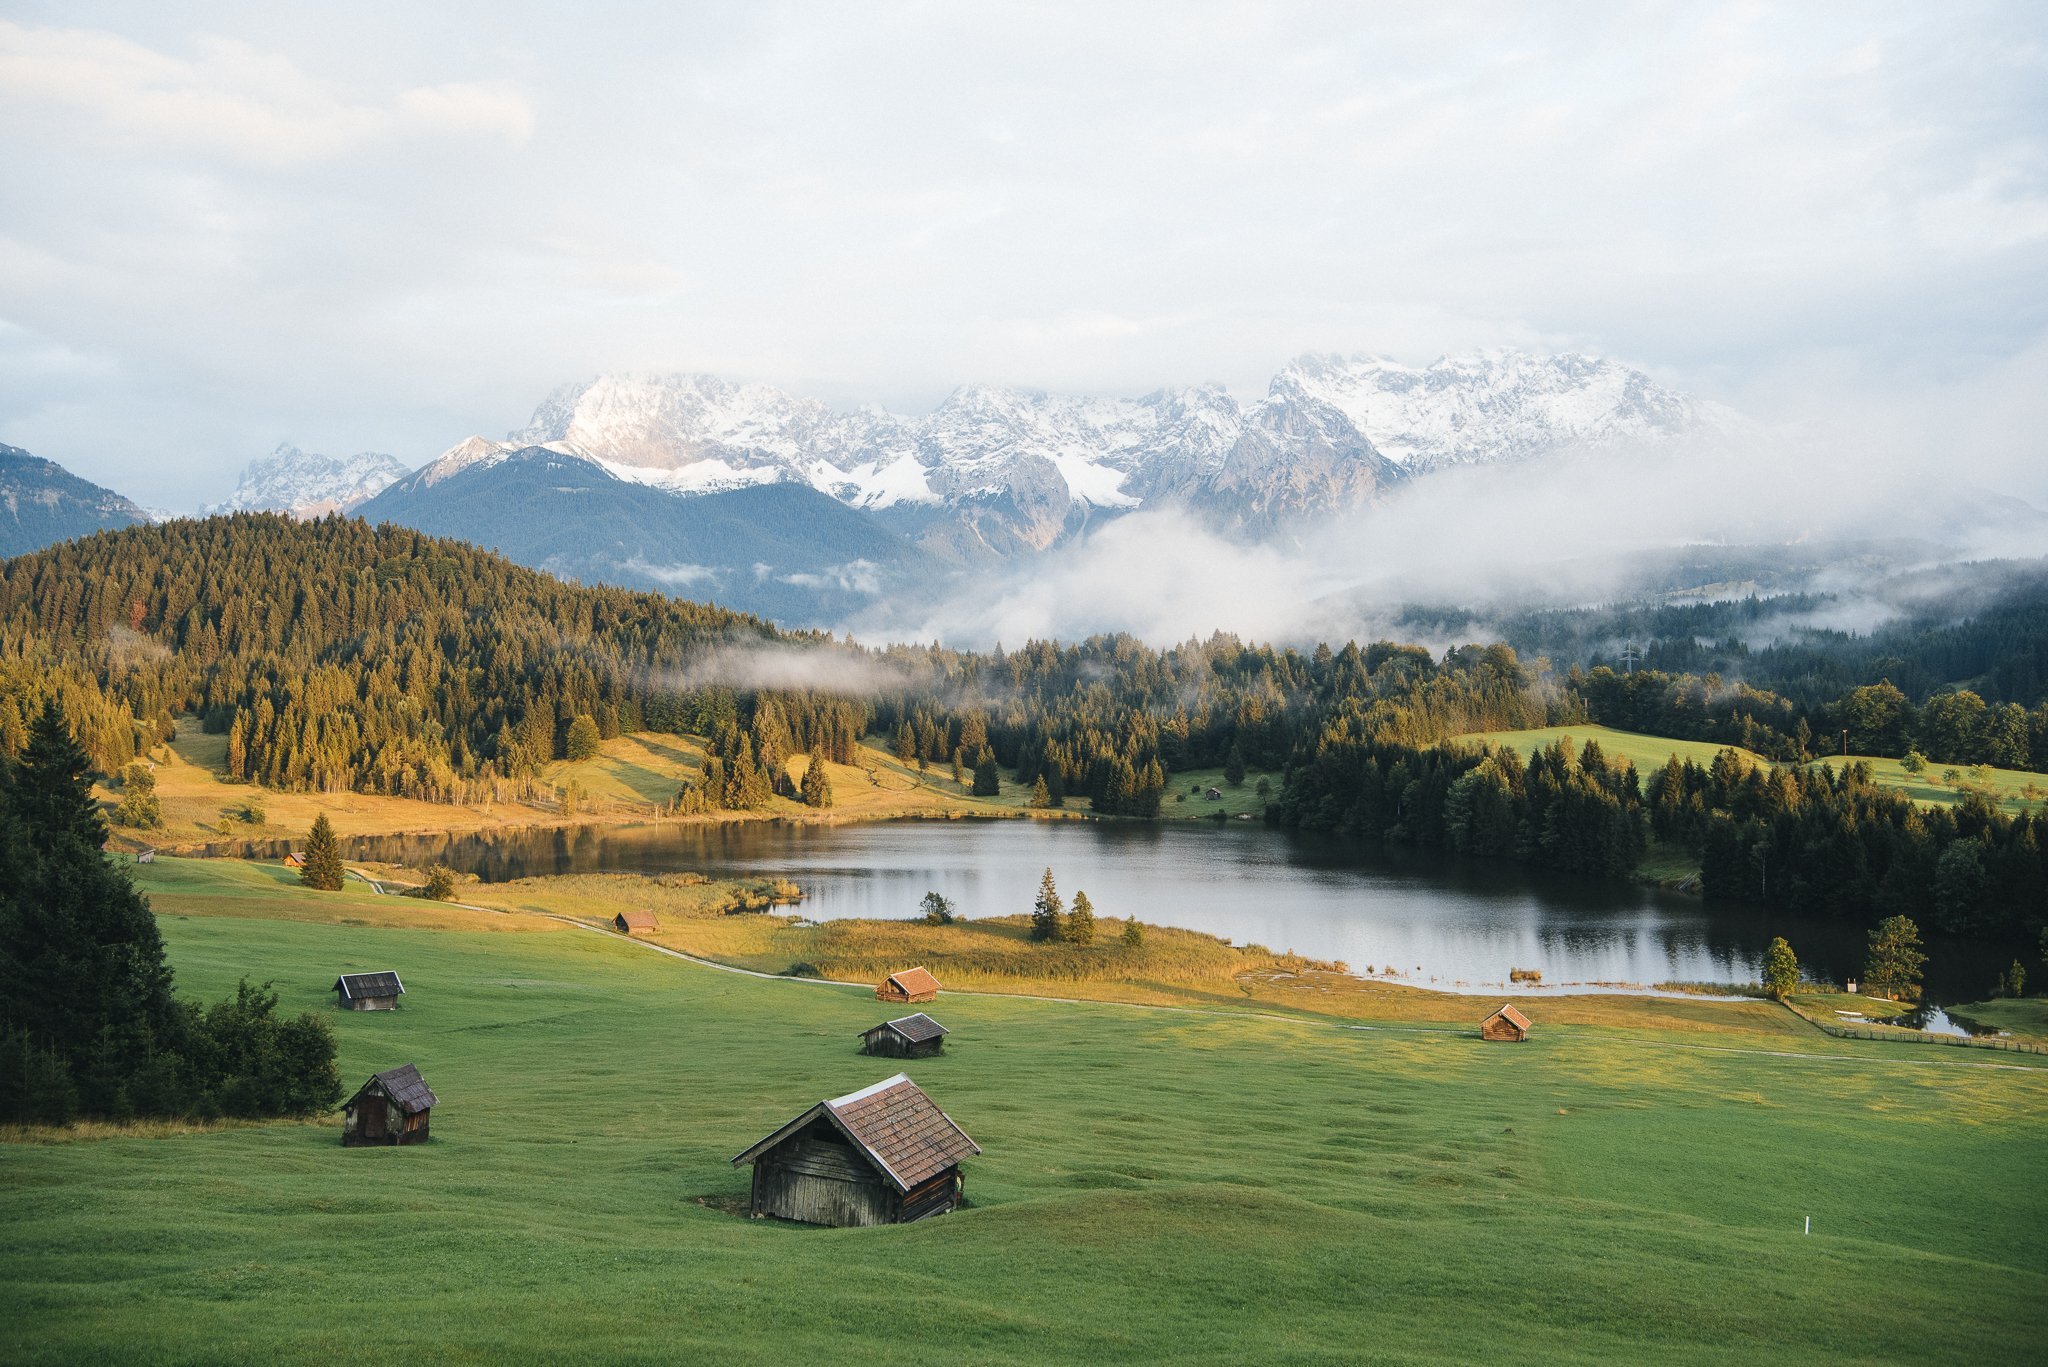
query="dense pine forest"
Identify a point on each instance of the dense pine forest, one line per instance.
(335, 656)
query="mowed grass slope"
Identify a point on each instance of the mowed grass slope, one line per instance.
(1156, 1186)
(2013, 789)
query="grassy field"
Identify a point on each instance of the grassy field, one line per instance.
(1187, 795)
(1155, 1186)
(2013, 789)
(628, 781)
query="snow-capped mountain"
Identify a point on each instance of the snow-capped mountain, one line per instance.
(1492, 407)
(306, 484)
(1001, 472)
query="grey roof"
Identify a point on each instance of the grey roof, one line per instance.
(900, 1130)
(406, 1088)
(357, 986)
(917, 1029)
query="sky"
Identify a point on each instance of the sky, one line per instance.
(385, 227)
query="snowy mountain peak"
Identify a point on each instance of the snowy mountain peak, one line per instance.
(1498, 405)
(306, 484)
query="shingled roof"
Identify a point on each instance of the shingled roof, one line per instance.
(638, 920)
(917, 1029)
(915, 980)
(357, 986)
(900, 1129)
(1510, 1015)
(406, 1088)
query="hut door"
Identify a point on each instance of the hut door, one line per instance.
(375, 1115)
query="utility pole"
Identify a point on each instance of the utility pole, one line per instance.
(1631, 656)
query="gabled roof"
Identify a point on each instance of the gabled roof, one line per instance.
(917, 1029)
(406, 1088)
(1511, 1016)
(900, 1129)
(356, 986)
(639, 920)
(914, 980)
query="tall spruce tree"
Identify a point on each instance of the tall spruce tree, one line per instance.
(85, 993)
(1080, 927)
(1047, 923)
(322, 869)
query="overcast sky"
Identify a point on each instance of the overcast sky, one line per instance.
(225, 225)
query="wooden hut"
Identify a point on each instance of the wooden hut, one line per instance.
(917, 1036)
(884, 1155)
(1505, 1024)
(146, 856)
(391, 1108)
(294, 860)
(368, 991)
(1214, 795)
(910, 985)
(634, 922)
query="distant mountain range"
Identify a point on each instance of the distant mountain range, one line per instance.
(306, 484)
(782, 550)
(775, 503)
(42, 503)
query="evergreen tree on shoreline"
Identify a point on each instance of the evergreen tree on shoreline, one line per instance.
(1080, 927)
(322, 870)
(1047, 923)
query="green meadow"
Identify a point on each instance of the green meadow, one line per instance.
(2013, 789)
(1156, 1185)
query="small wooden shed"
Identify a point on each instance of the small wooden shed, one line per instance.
(917, 1036)
(635, 922)
(146, 856)
(368, 991)
(1505, 1024)
(391, 1108)
(910, 985)
(884, 1155)
(294, 860)
(1214, 795)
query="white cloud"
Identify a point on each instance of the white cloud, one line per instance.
(229, 98)
(382, 230)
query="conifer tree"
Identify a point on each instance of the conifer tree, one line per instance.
(988, 779)
(1080, 928)
(1040, 798)
(322, 869)
(1047, 922)
(1133, 936)
(1233, 766)
(583, 738)
(1895, 958)
(817, 785)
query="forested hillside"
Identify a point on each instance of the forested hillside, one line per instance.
(337, 656)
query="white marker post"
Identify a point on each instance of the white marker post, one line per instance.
(1809, 1224)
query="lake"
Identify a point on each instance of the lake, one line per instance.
(1441, 924)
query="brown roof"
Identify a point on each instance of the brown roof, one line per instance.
(1512, 1016)
(917, 1029)
(406, 1088)
(900, 1129)
(639, 920)
(914, 980)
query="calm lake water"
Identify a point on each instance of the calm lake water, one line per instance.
(1436, 924)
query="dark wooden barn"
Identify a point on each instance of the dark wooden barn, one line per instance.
(911, 985)
(883, 1155)
(634, 922)
(1505, 1024)
(391, 1108)
(368, 991)
(917, 1036)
